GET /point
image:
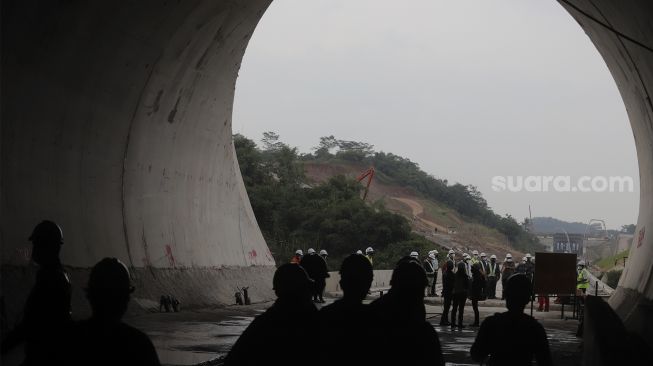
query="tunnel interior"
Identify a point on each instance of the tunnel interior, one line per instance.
(116, 123)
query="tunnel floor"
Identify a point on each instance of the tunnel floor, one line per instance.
(203, 337)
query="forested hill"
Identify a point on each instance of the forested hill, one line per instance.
(313, 200)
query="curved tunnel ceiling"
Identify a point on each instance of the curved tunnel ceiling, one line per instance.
(116, 123)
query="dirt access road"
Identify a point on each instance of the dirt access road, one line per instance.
(418, 209)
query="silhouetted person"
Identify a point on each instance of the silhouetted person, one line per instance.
(46, 323)
(448, 280)
(460, 289)
(104, 339)
(282, 335)
(346, 325)
(316, 268)
(477, 291)
(512, 338)
(402, 336)
(165, 303)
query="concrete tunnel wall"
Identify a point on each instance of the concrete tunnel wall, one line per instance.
(116, 123)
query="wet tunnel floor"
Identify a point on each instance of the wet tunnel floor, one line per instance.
(204, 337)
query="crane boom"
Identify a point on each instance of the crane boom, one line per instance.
(369, 174)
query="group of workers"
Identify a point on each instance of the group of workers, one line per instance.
(47, 330)
(392, 330)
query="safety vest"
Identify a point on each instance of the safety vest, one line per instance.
(369, 258)
(493, 269)
(582, 281)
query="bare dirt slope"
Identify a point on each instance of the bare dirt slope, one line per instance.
(424, 215)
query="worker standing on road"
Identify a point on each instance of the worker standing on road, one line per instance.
(297, 258)
(451, 257)
(582, 284)
(321, 283)
(436, 265)
(475, 258)
(369, 254)
(448, 280)
(431, 270)
(507, 270)
(476, 293)
(460, 288)
(493, 275)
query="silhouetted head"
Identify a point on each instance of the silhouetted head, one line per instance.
(409, 278)
(356, 277)
(517, 292)
(291, 281)
(109, 287)
(47, 239)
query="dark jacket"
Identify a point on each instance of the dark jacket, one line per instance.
(478, 283)
(448, 280)
(461, 282)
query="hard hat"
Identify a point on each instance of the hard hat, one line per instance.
(528, 255)
(47, 232)
(465, 255)
(323, 252)
(475, 252)
(359, 252)
(581, 263)
(432, 256)
(109, 276)
(311, 251)
(414, 254)
(369, 250)
(493, 256)
(483, 255)
(508, 255)
(299, 252)
(435, 251)
(451, 251)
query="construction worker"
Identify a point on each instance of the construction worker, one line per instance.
(528, 266)
(316, 268)
(507, 270)
(484, 262)
(582, 284)
(414, 255)
(430, 267)
(104, 339)
(468, 265)
(46, 320)
(321, 284)
(448, 280)
(475, 258)
(582, 280)
(369, 254)
(297, 258)
(436, 265)
(493, 275)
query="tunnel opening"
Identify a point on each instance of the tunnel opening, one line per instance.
(106, 108)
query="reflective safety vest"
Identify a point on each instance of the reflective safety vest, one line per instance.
(493, 269)
(369, 258)
(582, 281)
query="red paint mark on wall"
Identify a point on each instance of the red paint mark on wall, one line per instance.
(171, 258)
(640, 237)
(252, 254)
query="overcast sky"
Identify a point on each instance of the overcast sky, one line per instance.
(468, 89)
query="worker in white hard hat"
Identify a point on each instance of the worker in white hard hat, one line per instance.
(323, 253)
(527, 267)
(369, 254)
(582, 285)
(311, 251)
(359, 252)
(474, 258)
(431, 267)
(297, 258)
(468, 265)
(493, 275)
(484, 263)
(507, 270)
(414, 254)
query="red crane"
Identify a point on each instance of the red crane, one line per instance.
(369, 173)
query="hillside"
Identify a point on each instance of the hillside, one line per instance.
(424, 215)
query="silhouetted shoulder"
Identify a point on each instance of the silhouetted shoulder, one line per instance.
(101, 344)
(511, 337)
